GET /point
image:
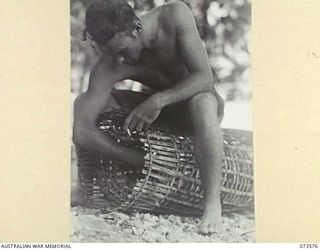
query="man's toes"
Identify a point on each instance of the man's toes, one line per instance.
(214, 228)
(203, 229)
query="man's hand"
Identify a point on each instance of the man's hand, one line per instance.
(143, 115)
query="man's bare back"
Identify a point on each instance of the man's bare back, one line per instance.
(164, 52)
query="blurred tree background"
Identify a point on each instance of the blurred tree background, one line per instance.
(224, 27)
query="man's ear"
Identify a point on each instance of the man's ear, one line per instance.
(137, 28)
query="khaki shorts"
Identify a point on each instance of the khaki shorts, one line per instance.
(174, 116)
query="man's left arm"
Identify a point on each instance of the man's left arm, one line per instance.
(193, 54)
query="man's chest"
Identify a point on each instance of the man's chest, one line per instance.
(159, 72)
(163, 65)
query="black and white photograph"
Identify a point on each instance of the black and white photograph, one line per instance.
(161, 121)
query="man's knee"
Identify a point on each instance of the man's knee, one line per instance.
(208, 105)
(205, 103)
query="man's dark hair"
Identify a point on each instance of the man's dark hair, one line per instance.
(104, 18)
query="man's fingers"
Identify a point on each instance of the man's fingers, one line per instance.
(140, 126)
(133, 123)
(130, 123)
(146, 126)
(127, 122)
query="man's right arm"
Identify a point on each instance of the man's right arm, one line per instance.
(86, 110)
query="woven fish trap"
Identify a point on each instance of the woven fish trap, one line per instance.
(169, 181)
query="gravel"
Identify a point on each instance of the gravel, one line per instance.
(91, 226)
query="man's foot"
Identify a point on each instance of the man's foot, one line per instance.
(211, 222)
(76, 198)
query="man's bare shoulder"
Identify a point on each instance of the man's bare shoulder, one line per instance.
(105, 72)
(174, 14)
(174, 7)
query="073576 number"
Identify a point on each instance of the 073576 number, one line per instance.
(308, 245)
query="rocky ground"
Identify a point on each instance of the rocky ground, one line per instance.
(90, 225)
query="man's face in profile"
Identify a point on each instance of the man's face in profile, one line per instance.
(124, 47)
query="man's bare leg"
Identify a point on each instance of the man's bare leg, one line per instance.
(77, 198)
(209, 151)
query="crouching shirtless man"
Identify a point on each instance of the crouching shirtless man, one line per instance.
(163, 51)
